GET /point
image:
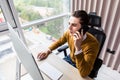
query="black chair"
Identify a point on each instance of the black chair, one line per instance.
(96, 30)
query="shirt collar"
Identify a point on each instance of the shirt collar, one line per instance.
(84, 37)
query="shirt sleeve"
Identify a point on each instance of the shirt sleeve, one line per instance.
(78, 52)
(59, 42)
(86, 59)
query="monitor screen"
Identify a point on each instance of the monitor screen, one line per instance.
(24, 55)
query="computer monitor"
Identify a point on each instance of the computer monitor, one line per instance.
(24, 55)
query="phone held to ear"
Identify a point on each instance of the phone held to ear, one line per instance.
(84, 28)
(80, 30)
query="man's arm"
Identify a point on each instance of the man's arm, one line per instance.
(44, 54)
(59, 42)
(86, 59)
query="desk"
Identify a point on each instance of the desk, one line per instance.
(69, 72)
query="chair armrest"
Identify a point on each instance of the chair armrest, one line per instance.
(63, 48)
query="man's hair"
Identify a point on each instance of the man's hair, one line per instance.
(84, 18)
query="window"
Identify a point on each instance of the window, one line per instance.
(2, 19)
(5, 15)
(7, 58)
(45, 20)
(39, 9)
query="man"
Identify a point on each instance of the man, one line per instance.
(83, 46)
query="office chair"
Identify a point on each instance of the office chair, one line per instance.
(96, 30)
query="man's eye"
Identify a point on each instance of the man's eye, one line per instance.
(74, 24)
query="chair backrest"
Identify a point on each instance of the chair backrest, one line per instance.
(97, 31)
(100, 35)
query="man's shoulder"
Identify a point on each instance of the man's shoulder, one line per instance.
(67, 33)
(91, 38)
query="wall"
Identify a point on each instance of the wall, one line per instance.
(109, 11)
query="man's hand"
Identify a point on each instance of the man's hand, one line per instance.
(44, 54)
(78, 38)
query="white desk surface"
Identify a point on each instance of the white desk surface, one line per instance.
(69, 72)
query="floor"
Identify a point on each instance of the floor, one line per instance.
(106, 73)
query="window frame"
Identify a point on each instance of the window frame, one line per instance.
(7, 15)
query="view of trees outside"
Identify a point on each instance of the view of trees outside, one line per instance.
(29, 10)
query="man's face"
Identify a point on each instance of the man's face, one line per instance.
(74, 24)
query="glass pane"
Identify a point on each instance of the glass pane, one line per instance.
(46, 33)
(2, 19)
(30, 10)
(7, 59)
(5, 46)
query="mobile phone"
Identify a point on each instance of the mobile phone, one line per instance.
(84, 28)
(80, 30)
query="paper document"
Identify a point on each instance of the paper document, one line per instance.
(50, 71)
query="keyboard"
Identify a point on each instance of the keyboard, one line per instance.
(50, 71)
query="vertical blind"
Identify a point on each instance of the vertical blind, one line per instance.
(109, 10)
